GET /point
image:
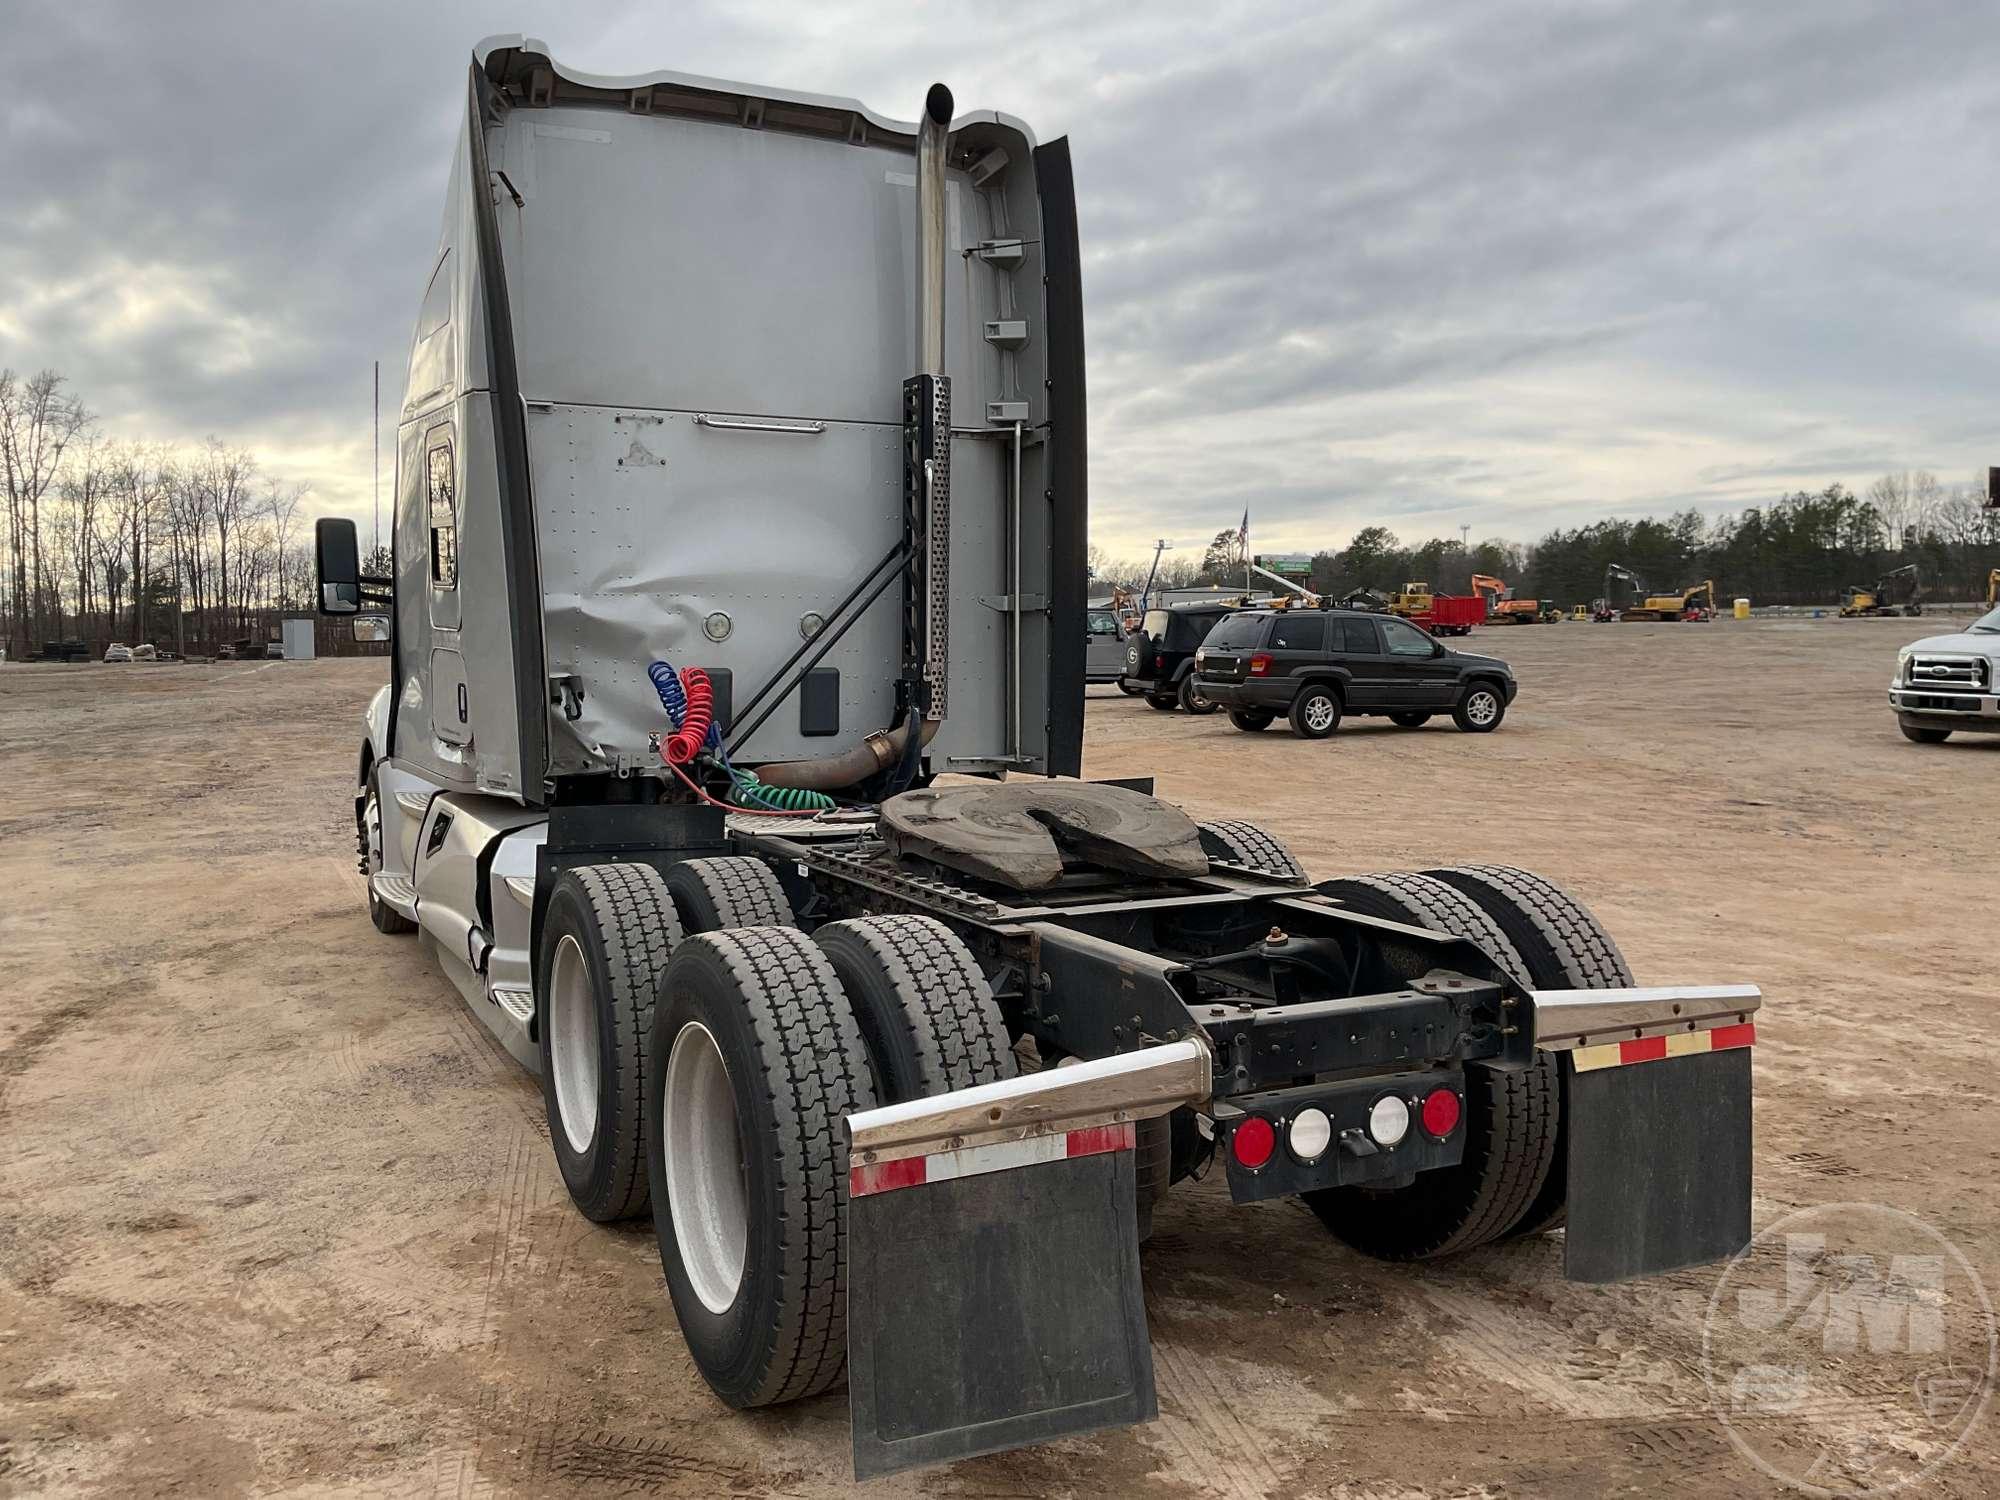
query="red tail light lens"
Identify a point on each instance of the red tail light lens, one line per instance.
(1159, 664)
(1259, 665)
(1441, 1112)
(1253, 1141)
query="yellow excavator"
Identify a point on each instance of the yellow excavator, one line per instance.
(1696, 601)
(1993, 588)
(1900, 591)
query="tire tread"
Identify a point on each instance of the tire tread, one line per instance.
(635, 917)
(816, 1069)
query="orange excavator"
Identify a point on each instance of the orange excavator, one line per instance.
(1502, 608)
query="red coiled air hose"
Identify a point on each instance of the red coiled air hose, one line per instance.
(685, 743)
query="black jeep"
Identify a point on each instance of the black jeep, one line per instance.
(1159, 657)
(1314, 665)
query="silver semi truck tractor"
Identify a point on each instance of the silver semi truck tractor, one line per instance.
(728, 768)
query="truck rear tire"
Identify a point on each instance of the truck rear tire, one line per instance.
(1563, 947)
(735, 891)
(606, 938)
(926, 1012)
(1243, 843)
(1166, 703)
(1916, 733)
(1512, 1120)
(1251, 720)
(761, 1063)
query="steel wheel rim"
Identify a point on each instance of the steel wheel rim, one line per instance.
(1319, 713)
(573, 1043)
(703, 1154)
(1482, 708)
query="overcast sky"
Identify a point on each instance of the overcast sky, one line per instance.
(1419, 264)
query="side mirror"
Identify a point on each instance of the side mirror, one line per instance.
(1437, 648)
(371, 629)
(337, 560)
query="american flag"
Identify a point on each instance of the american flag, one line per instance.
(1243, 531)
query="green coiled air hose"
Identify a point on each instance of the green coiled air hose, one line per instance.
(749, 792)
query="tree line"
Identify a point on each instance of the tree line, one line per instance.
(185, 546)
(1803, 548)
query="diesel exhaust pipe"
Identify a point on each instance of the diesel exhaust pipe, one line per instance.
(926, 500)
(927, 424)
(931, 134)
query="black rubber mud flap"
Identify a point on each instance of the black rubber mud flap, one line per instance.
(988, 1312)
(1659, 1164)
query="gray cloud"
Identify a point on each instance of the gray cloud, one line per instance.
(1498, 264)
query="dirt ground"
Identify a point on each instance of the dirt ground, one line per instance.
(277, 1216)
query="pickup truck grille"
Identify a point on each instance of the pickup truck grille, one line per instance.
(1952, 674)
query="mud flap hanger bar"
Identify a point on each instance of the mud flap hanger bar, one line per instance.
(987, 1306)
(1656, 1102)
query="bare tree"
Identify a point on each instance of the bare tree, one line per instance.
(281, 505)
(38, 421)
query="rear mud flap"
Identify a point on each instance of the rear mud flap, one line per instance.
(1659, 1163)
(991, 1310)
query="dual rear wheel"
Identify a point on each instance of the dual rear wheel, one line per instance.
(1513, 1178)
(700, 1055)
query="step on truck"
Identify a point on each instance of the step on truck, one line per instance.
(728, 769)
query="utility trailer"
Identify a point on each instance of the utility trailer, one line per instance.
(740, 500)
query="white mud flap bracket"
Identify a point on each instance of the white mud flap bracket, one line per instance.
(1656, 1086)
(993, 1292)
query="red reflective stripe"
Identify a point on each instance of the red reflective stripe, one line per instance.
(882, 1176)
(1733, 1036)
(1646, 1049)
(1097, 1139)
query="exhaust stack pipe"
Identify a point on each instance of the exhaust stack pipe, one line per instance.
(931, 133)
(927, 424)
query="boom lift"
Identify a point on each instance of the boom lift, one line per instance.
(626, 786)
(1900, 591)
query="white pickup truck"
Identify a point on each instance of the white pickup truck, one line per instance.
(1949, 684)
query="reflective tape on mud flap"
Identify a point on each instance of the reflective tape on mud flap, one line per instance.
(1654, 1048)
(971, 1161)
(1658, 1158)
(1002, 1304)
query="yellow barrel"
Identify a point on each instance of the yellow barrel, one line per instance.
(1742, 609)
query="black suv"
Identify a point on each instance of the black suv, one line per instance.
(1314, 665)
(1159, 656)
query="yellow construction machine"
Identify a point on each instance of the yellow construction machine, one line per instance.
(1993, 588)
(1414, 600)
(1900, 591)
(1696, 601)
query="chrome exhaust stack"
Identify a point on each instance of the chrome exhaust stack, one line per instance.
(927, 433)
(932, 131)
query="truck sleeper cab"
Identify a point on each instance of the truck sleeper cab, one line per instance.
(696, 593)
